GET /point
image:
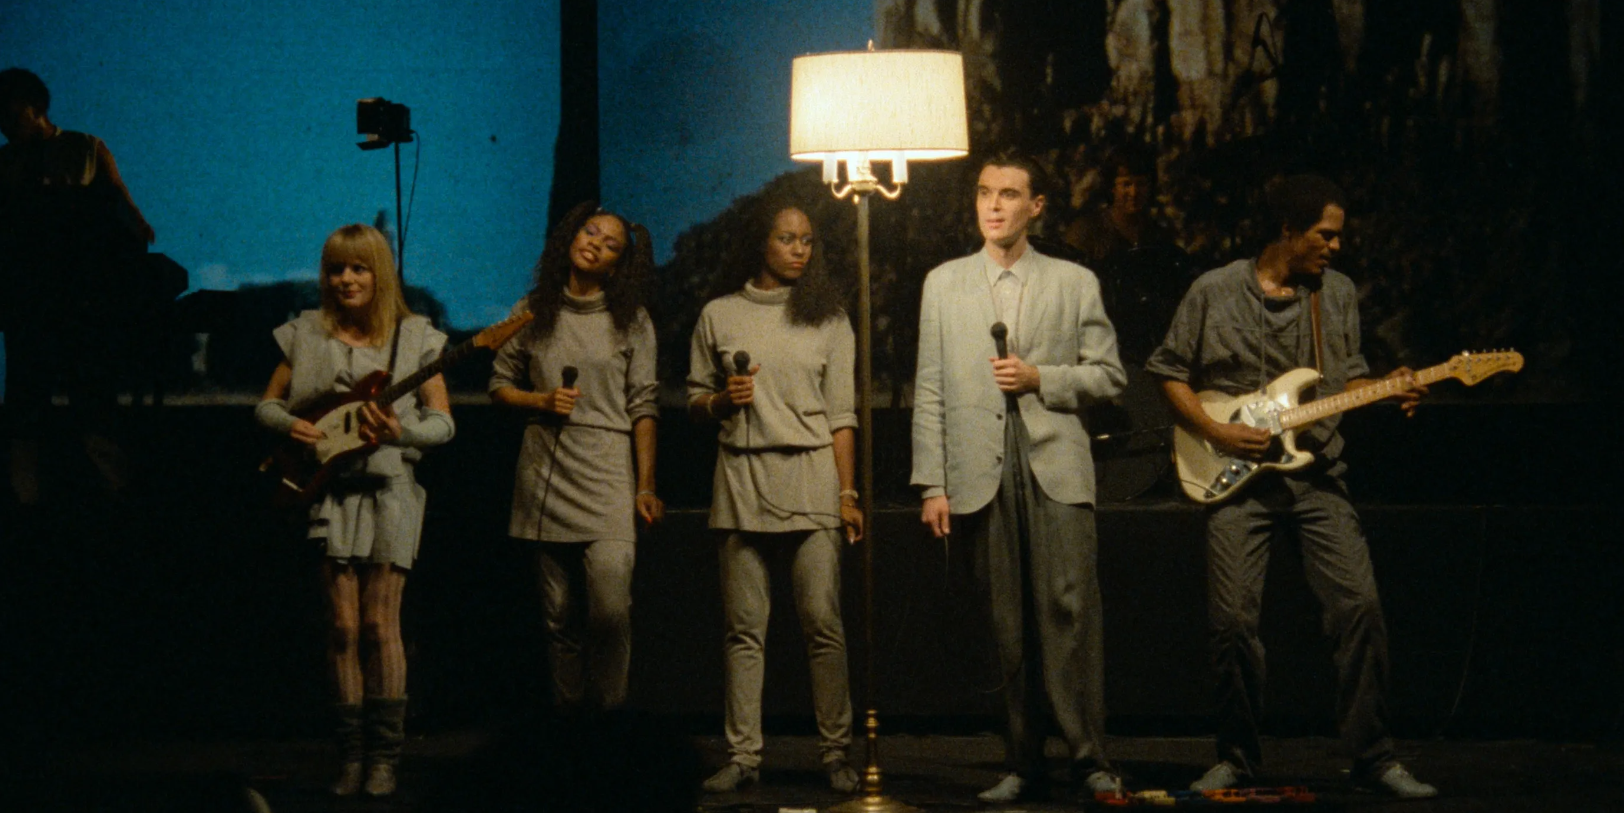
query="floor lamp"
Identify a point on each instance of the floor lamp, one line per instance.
(855, 108)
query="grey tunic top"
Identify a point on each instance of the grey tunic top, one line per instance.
(1228, 336)
(592, 490)
(775, 468)
(374, 510)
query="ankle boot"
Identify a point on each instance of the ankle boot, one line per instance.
(385, 732)
(347, 731)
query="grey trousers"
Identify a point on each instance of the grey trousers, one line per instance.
(1037, 561)
(746, 603)
(1337, 564)
(586, 592)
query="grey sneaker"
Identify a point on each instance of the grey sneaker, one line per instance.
(1220, 776)
(1396, 781)
(843, 778)
(731, 777)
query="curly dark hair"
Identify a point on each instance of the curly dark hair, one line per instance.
(1296, 202)
(817, 297)
(623, 291)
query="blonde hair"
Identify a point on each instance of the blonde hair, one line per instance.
(366, 245)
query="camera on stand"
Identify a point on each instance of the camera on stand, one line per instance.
(383, 123)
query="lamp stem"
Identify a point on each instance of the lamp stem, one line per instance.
(872, 798)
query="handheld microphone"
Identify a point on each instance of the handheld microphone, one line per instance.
(1000, 335)
(570, 374)
(741, 363)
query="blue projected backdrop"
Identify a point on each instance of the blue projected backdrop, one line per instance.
(233, 124)
(694, 100)
(233, 121)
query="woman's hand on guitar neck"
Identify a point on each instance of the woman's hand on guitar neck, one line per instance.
(306, 432)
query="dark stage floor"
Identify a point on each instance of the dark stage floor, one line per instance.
(929, 772)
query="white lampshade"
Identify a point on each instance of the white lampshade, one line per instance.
(890, 104)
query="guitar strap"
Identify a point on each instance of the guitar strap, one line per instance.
(394, 345)
(1319, 338)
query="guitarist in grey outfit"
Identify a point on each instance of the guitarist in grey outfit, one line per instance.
(1237, 328)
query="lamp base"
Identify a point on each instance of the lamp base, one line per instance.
(874, 804)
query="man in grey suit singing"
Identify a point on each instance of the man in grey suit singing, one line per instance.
(1012, 346)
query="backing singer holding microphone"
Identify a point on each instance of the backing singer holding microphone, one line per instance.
(783, 486)
(577, 488)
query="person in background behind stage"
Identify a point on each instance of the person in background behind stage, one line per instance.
(784, 469)
(1142, 271)
(1000, 450)
(586, 464)
(68, 229)
(371, 517)
(1239, 327)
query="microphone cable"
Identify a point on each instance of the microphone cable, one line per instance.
(568, 374)
(741, 364)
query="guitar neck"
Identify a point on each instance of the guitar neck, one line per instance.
(410, 383)
(1353, 399)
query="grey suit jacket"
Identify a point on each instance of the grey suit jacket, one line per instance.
(958, 418)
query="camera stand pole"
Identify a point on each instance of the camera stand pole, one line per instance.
(400, 227)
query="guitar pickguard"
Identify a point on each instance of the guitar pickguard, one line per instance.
(342, 428)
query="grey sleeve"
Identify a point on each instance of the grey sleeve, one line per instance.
(511, 367)
(1097, 373)
(1175, 358)
(433, 347)
(1357, 366)
(839, 398)
(704, 377)
(642, 385)
(283, 334)
(929, 445)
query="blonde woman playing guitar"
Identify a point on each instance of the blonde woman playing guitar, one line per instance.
(370, 514)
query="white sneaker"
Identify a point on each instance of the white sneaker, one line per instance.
(1220, 776)
(1011, 787)
(1395, 780)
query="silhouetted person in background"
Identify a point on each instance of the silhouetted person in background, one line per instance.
(1142, 271)
(68, 233)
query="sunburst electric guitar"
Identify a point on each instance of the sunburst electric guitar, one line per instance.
(1210, 476)
(304, 470)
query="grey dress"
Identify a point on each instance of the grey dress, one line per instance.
(591, 493)
(782, 445)
(373, 511)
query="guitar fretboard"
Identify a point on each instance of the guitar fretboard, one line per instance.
(1342, 402)
(410, 383)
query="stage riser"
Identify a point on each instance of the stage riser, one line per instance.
(194, 610)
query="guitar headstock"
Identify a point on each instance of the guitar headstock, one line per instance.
(497, 335)
(1471, 368)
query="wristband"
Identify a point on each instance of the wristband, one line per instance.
(852, 493)
(273, 414)
(433, 429)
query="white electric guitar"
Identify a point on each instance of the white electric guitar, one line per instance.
(1210, 476)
